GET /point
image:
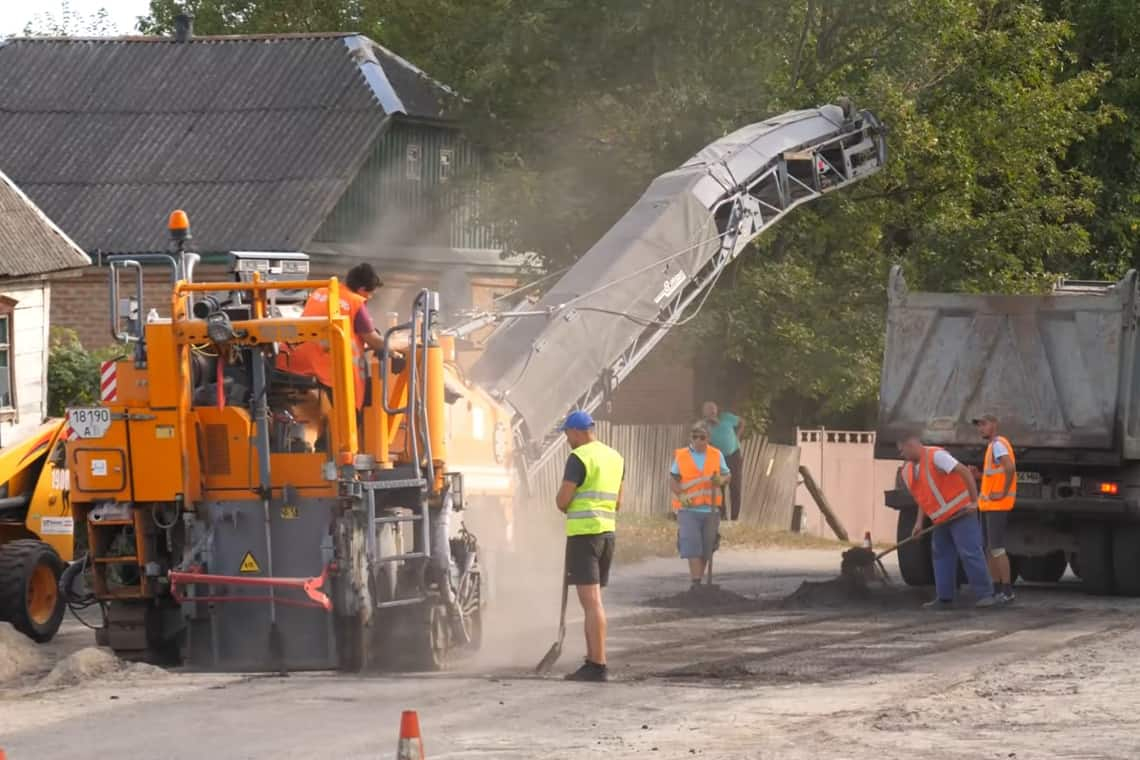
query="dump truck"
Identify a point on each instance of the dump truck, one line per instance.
(1060, 372)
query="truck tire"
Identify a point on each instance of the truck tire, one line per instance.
(1126, 559)
(1046, 568)
(1094, 545)
(914, 558)
(29, 588)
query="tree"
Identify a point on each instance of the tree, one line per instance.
(1104, 37)
(69, 23)
(580, 103)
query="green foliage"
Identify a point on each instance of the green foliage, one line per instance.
(1012, 157)
(70, 23)
(73, 372)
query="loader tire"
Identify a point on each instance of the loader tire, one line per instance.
(1094, 542)
(29, 588)
(1126, 559)
(915, 562)
(1046, 568)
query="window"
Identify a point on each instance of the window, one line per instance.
(413, 162)
(7, 358)
(445, 158)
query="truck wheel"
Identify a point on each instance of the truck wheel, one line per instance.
(914, 559)
(1126, 559)
(1046, 568)
(1094, 542)
(29, 588)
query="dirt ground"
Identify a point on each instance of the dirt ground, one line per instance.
(759, 676)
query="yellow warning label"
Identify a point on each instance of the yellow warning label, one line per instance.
(249, 564)
(290, 513)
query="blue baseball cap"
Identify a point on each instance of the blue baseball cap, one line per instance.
(578, 421)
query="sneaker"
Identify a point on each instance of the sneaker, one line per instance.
(695, 586)
(1007, 596)
(988, 601)
(590, 671)
(938, 604)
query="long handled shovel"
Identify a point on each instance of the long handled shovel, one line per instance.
(555, 651)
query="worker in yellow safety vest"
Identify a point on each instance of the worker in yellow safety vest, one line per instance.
(698, 473)
(590, 496)
(999, 491)
(943, 488)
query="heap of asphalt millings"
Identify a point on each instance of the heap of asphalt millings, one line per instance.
(701, 598)
(849, 591)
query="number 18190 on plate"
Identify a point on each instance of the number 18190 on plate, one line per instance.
(89, 422)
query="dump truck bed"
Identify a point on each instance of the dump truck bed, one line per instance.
(1058, 369)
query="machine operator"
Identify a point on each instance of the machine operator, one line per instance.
(312, 358)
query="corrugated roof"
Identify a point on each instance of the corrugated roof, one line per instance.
(255, 137)
(30, 243)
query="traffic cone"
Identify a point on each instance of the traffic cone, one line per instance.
(867, 540)
(411, 746)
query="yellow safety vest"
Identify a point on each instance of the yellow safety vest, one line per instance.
(594, 508)
(993, 480)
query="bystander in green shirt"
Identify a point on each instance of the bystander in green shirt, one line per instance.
(722, 433)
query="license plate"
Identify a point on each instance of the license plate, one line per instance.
(1029, 477)
(89, 422)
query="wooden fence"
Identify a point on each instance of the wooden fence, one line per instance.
(770, 473)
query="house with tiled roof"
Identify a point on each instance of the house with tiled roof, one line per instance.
(328, 144)
(32, 249)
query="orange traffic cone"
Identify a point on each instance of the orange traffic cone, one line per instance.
(411, 746)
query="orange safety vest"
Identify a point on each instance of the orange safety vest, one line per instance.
(313, 357)
(697, 484)
(993, 480)
(939, 495)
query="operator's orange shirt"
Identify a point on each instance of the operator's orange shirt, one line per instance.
(313, 358)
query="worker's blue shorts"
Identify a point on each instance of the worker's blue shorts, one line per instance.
(697, 533)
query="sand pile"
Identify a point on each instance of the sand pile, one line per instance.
(702, 598)
(96, 664)
(19, 655)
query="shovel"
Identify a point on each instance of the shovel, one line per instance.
(857, 559)
(555, 651)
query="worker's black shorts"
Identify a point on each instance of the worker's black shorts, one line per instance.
(588, 559)
(994, 524)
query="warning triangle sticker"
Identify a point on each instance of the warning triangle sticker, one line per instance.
(249, 564)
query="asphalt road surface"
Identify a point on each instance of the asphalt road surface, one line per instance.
(816, 676)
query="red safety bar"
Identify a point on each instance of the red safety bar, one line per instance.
(311, 587)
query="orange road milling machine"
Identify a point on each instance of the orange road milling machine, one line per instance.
(219, 535)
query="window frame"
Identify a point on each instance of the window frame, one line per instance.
(8, 312)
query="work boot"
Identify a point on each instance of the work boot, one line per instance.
(938, 604)
(590, 671)
(986, 601)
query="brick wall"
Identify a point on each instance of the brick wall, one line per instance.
(82, 302)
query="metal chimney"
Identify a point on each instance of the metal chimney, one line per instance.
(183, 28)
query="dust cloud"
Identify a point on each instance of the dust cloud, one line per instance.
(524, 588)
